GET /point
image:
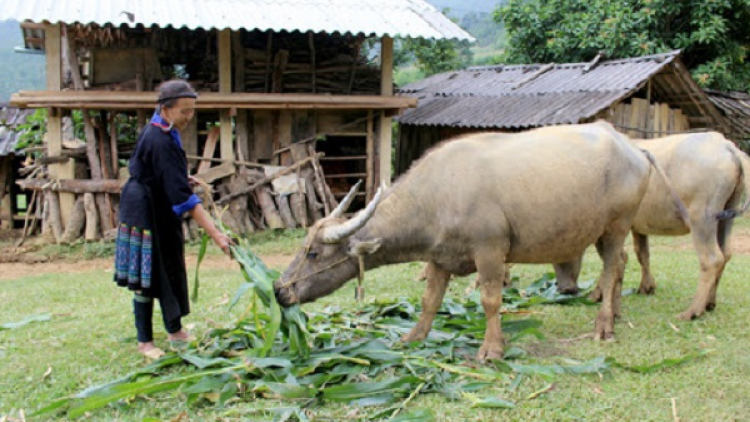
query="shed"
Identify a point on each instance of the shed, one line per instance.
(645, 97)
(735, 106)
(10, 120)
(274, 76)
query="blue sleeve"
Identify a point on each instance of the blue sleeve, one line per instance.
(170, 167)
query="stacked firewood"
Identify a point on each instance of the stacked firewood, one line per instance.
(270, 197)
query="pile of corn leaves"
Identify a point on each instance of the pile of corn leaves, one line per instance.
(303, 359)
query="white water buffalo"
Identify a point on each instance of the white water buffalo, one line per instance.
(479, 202)
(709, 173)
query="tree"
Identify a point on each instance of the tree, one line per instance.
(436, 56)
(714, 35)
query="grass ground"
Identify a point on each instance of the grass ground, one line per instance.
(89, 340)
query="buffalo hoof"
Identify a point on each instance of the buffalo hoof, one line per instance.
(647, 289)
(490, 352)
(414, 335)
(568, 290)
(596, 295)
(690, 314)
(604, 328)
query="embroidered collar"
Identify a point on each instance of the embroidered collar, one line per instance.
(157, 121)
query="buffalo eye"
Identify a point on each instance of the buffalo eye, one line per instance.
(312, 254)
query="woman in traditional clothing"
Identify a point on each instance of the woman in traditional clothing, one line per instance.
(150, 257)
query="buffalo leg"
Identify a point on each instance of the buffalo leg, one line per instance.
(725, 229)
(492, 273)
(566, 274)
(596, 294)
(437, 282)
(705, 240)
(610, 247)
(640, 244)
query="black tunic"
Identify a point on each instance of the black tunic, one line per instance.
(154, 198)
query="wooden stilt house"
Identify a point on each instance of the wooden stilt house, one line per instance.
(289, 92)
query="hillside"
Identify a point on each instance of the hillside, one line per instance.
(18, 71)
(459, 8)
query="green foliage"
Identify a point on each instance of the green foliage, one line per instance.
(33, 130)
(340, 357)
(483, 27)
(436, 56)
(713, 35)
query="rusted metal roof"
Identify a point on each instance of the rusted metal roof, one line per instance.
(520, 96)
(10, 119)
(406, 18)
(736, 109)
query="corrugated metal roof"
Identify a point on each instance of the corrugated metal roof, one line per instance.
(517, 111)
(515, 96)
(10, 118)
(736, 108)
(407, 18)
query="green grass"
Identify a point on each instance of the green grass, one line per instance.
(90, 340)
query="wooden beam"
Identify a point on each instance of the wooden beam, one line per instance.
(386, 89)
(128, 100)
(78, 186)
(225, 87)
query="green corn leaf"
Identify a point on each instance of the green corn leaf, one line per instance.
(54, 406)
(25, 321)
(658, 366)
(350, 392)
(201, 254)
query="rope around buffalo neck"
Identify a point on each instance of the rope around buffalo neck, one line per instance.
(308, 245)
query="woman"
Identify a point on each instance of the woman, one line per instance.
(150, 258)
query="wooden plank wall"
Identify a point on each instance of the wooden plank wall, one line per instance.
(639, 119)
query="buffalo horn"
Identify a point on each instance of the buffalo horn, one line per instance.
(346, 202)
(335, 234)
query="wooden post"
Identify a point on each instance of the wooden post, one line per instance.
(76, 222)
(92, 217)
(95, 160)
(370, 164)
(647, 111)
(53, 48)
(311, 41)
(140, 85)
(113, 144)
(225, 87)
(189, 137)
(240, 120)
(386, 89)
(269, 50)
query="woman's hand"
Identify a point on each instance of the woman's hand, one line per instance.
(222, 241)
(193, 181)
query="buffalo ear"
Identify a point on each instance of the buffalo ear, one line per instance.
(364, 247)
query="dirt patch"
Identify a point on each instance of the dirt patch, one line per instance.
(739, 243)
(14, 270)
